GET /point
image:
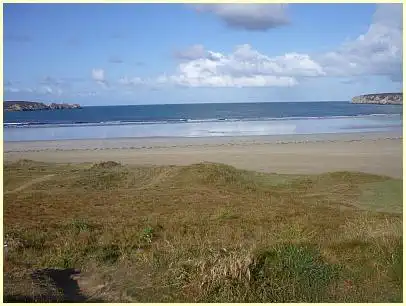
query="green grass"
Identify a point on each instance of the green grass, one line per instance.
(382, 196)
(292, 273)
(203, 233)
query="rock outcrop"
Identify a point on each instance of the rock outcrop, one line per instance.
(34, 106)
(381, 98)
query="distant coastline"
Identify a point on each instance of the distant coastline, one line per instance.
(381, 98)
(16, 106)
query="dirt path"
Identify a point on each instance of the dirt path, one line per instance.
(30, 183)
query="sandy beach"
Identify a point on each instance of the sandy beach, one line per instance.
(299, 154)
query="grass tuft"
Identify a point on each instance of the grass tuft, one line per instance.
(105, 165)
(292, 273)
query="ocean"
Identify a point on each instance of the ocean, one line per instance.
(202, 120)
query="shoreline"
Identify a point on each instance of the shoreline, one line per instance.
(141, 142)
(282, 127)
(376, 153)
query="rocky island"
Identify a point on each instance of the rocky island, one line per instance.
(34, 106)
(381, 98)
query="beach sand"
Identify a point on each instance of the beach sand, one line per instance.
(377, 153)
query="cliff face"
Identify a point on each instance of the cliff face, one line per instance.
(33, 106)
(382, 98)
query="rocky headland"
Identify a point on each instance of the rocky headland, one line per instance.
(381, 98)
(14, 106)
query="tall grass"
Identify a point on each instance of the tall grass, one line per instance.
(201, 233)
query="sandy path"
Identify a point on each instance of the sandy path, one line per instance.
(30, 183)
(379, 156)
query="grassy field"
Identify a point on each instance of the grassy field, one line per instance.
(199, 233)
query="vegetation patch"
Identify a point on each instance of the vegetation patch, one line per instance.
(106, 165)
(382, 196)
(292, 273)
(202, 233)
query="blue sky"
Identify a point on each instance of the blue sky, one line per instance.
(111, 54)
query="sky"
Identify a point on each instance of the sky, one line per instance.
(127, 54)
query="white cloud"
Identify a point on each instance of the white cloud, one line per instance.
(99, 77)
(389, 15)
(229, 81)
(126, 81)
(245, 67)
(162, 79)
(41, 90)
(12, 89)
(377, 52)
(251, 17)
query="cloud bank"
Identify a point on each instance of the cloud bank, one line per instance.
(251, 17)
(377, 52)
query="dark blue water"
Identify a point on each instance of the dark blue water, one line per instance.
(202, 120)
(195, 112)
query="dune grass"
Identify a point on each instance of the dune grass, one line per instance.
(202, 233)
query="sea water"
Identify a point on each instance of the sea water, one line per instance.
(202, 120)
